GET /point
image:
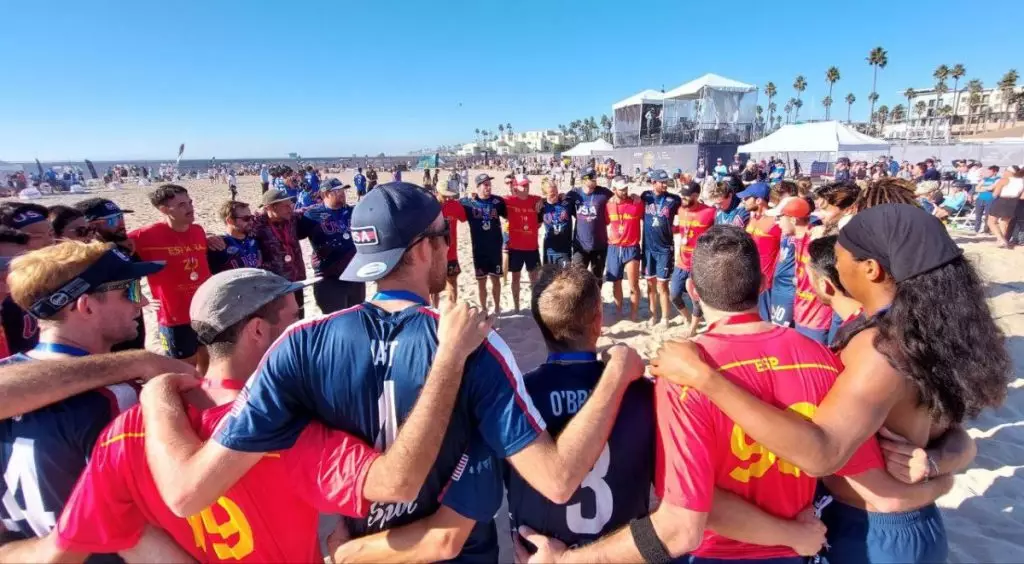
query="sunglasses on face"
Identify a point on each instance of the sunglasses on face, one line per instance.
(132, 289)
(242, 218)
(112, 221)
(444, 232)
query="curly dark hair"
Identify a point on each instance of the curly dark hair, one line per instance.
(887, 191)
(940, 334)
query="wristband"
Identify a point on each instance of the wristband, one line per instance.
(647, 541)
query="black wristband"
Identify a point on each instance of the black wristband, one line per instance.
(647, 541)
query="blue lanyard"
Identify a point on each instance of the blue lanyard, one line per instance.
(565, 357)
(385, 295)
(61, 349)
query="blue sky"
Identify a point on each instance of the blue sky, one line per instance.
(105, 80)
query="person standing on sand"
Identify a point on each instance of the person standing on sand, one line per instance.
(914, 369)
(181, 244)
(264, 179)
(557, 214)
(453, 212)
(483, 213)
(767, 236)
(524, 217)
(625, 217)
(327, 226)
(359, 180)
(590, 238)
(371, 178)
(276, 231)
(693, 219)
(240, 248)
(660, 209)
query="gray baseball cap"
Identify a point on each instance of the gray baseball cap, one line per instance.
(230, 296)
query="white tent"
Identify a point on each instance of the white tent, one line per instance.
(643, 97)
(824, 136)
(587, 148)
(693, 88)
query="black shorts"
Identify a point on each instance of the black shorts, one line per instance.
(179, 341)
(487, 264)
(594, 260)
(454, 269)
(518, 259)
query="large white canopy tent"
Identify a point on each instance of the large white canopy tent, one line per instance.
(588, 148)
(710, 103)
(821, 142)
(637, 117)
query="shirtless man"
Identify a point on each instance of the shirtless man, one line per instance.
(914, 368)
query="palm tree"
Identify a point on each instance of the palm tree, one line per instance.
(920, 107)
(958, 71)
(788, 108)
(796, 108)
(508, 128)
(883, 115)
(606, 125)
(759, 117)
(778, 122)
(1007, 87)
(877, 58)
(898, 113)
(974, 89)
(909, 94)
(946, 112)
(940, 75)
(771, 111)
(831, 77)
(770, 91)
(800, 84)
(501, 128)
(477, 132)
(850, 99)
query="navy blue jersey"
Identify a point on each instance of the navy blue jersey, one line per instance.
(360, 370)
(659, 214)
(20, 328)
(474, 491)
(591, 217)
(736, 214)
(328, 233)
(785, 266)
(618, 489)
(483, 215)
(43, 452)
(557, 219)
(237, 253)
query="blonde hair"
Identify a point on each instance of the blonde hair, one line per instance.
(39, 273)
(544, 183)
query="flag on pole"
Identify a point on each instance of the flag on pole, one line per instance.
(92, 168)
(181, 150)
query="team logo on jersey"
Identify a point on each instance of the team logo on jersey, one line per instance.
(365, 236)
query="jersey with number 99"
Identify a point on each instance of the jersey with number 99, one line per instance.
(361, 371)
(618, 488)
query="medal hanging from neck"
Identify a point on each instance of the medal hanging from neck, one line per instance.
(284, 237)
(657, 213)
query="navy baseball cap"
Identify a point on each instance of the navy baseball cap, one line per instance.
(658, 176)
(588, 172)
(481, 178)
(387, 220)
(755, 190)
(99, 208)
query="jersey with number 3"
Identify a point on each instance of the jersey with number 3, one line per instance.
(43, 452)
(618, 488)
(700, 448)
(361, 371)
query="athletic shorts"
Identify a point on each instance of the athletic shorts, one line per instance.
(594, 260)
(781, 305)
(679, 296)
(658, 264)
(487, 264)
(454, 269)
(618, 258)
(819, 335)
(855, 535)
(551, 256)
(518, 259)
(178, 341)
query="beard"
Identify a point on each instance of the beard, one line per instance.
(116, 237)
(438, 275)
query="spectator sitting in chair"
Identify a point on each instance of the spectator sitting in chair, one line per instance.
(952, 205)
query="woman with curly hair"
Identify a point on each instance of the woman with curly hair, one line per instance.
(927, 356)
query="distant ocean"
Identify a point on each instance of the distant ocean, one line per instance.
(205, 164)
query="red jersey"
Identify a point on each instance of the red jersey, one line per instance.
(453, 211)
(691, 223)
(523, 222)
(625, 219)
(808, 310)
(699, 448)
(257, 520)
(767, 236)
(186, 267)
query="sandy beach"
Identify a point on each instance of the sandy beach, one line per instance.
(984, 512)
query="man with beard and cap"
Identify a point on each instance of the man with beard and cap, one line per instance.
(660, 209)
(107, 221)
(326, 225)
(361, 370)
(693, 219)
(590, 239)
(913, 369)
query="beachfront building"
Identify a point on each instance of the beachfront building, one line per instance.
(927, 117)
(469, 150)
(536, 141)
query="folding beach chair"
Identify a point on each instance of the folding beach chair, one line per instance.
(963, 219)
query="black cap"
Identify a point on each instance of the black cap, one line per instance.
(588, 172)
(99, 208)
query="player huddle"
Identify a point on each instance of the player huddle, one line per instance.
(412, 424)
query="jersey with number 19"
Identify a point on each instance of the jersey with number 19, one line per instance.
(618, 489)
(361, 370)
(699, 448)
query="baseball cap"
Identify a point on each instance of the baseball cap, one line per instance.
(588, 172)
(620, 183)
(99, 208)
(334, 184)
(384, 224)
(791, 206)
(273, 196)
(755, 190)
(659, 175)
(112, 266)
(230, 296)
(522, 180)
(689, 189)
(480, 179)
